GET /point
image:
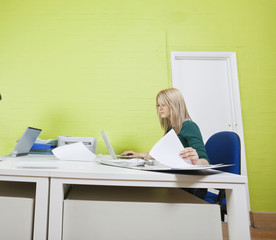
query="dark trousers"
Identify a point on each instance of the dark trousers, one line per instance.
(198, 192)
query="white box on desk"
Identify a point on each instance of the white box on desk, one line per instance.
(89, 142)
(138, 213)
(17, 210)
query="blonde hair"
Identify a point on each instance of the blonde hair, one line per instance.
(174, 99)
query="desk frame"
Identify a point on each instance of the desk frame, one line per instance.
(235, 185)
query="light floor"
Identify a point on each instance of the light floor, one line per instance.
(256, 234)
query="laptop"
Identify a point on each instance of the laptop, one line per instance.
(26, 142)
(110, 148)
(134, 163)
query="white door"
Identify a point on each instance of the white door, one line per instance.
(209, 83)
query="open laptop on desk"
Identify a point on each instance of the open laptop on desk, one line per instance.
(25, 143)
(127, 161)
(110, 148)
(22, 149)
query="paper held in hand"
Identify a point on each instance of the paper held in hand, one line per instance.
(167, 152)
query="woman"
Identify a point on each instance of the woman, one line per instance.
(172, 112)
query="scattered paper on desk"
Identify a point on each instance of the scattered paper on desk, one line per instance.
(167, 151)
(74, 152)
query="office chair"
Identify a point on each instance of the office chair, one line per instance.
(223, 147)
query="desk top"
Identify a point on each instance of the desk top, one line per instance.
(97, 171)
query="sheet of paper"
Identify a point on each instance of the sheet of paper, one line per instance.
(167, 151)
(74, 152)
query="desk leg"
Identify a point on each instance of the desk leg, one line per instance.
(56, 210)
(237, 211)
(41, 209)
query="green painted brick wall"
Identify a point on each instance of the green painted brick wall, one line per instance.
(77, 67)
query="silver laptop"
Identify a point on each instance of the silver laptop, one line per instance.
(110, 148)
(134, 163)
(26, 142)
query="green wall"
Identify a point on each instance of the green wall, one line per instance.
(77, 67)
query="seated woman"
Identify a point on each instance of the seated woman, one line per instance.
(172, 112)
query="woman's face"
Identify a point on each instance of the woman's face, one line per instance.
(163, 110)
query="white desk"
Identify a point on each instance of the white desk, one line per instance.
(92, 173)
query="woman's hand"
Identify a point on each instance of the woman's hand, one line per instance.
(191, 154)
(134, 154)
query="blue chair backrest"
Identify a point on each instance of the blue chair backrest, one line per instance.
(224, 147)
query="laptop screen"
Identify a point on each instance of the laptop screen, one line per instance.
(26, 142)
(108, 144)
